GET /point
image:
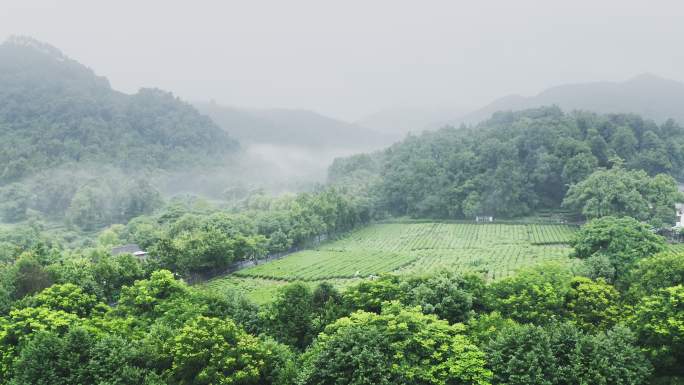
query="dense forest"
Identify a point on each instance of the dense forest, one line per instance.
(54, 110)
(86, 317)
(79, 163)
(75, 151)
(520, 162)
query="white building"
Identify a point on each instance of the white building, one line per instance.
(679, 220)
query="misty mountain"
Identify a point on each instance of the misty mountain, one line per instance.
(289, 127)
(397, 122)
(647, 95)
(55, 111)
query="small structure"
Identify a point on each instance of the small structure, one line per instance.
(679, 219)
(132, 249)
(484, 218)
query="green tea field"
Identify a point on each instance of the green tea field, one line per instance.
(494, 250)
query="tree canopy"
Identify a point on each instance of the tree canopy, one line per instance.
(519, 162)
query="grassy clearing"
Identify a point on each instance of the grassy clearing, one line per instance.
(494, 250)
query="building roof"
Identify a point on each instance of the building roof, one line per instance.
(127, 249)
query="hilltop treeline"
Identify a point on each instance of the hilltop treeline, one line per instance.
(74, 151)
(513, 164)
(55, 111)
(618, 322)
(188, 236)
(187, 240)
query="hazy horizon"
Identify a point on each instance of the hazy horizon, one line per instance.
(350, 60)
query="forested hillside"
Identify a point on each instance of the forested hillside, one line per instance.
(516, 163)
(54, 111)
(74, 150)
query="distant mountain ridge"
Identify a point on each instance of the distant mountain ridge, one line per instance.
(291, 127)
(648, 95)
(54, 110)
(398, 122)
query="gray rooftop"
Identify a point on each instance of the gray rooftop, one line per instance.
(126, 249)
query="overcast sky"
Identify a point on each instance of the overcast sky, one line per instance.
(350, 58)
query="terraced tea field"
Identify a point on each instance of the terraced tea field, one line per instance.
(494, 250)
(676, 248)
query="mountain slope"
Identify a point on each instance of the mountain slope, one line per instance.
(647, 95)
(54, 111)
(291, 128)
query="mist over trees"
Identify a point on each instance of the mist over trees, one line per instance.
(516, 163)
(84, 169)
(54, 111)
(75, 151)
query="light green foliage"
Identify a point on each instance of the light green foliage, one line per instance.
(559, 354)
(67, 297)
(493, 249)
(659, 323)
(261, 291)
(533, 295)
(593, 305)
(623, 241)
(142, 298)
(21, 325)
(657, 272)
(620, 192)
(371, 294)
(213, 351)
(399, 346)
(487, 326)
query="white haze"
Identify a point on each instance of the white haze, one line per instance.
(353, 58)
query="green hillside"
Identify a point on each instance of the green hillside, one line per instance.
(517, 163)
(55, 111)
